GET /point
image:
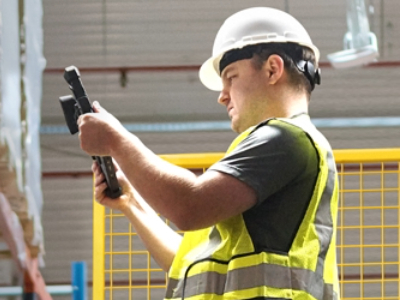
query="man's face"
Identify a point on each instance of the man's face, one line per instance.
(243, 94)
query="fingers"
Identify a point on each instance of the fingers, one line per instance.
(98, 174)
(99, 193)
(98, 108)
(100, 185)
(96, 168)
(82, 119)
(100, 178)
(79, 121)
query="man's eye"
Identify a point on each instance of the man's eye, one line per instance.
(231, 77)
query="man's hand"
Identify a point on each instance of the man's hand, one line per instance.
(99, 131)
(121, 203)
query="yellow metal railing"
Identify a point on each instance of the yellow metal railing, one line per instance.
(368, 243)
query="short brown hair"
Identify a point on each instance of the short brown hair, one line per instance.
(291, 54)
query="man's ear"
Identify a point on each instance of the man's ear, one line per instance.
(274, 68)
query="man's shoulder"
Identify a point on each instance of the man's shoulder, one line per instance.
(277, 129)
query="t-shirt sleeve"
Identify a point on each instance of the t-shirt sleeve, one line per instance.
(269, 158)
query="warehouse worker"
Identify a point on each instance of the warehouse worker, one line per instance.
(260, 223)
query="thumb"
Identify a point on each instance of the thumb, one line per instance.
(97, 108)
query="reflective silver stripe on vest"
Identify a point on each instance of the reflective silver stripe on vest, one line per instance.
(245, 278)
(275, 276)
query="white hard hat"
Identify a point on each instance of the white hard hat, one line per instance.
(249, 27)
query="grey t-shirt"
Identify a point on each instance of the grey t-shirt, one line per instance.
(280, 162)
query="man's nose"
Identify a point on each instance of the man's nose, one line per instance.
(223, 97)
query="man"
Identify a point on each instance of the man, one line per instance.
(260, 223)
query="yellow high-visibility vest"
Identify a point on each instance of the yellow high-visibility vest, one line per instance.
(220, 262)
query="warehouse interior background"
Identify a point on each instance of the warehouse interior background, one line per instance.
(140, 60)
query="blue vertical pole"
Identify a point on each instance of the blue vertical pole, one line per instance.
(29, 296)
(79, 282)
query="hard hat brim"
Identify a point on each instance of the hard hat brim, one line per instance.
(209, 75)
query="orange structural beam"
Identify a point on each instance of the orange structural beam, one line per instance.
(14, 237)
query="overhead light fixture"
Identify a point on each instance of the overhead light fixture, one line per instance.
(360, 44)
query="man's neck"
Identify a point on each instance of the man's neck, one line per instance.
(287, 104)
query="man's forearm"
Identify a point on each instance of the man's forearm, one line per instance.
(166, 187)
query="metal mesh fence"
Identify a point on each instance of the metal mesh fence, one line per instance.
(368, 233)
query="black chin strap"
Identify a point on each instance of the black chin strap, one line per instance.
(308, 69)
